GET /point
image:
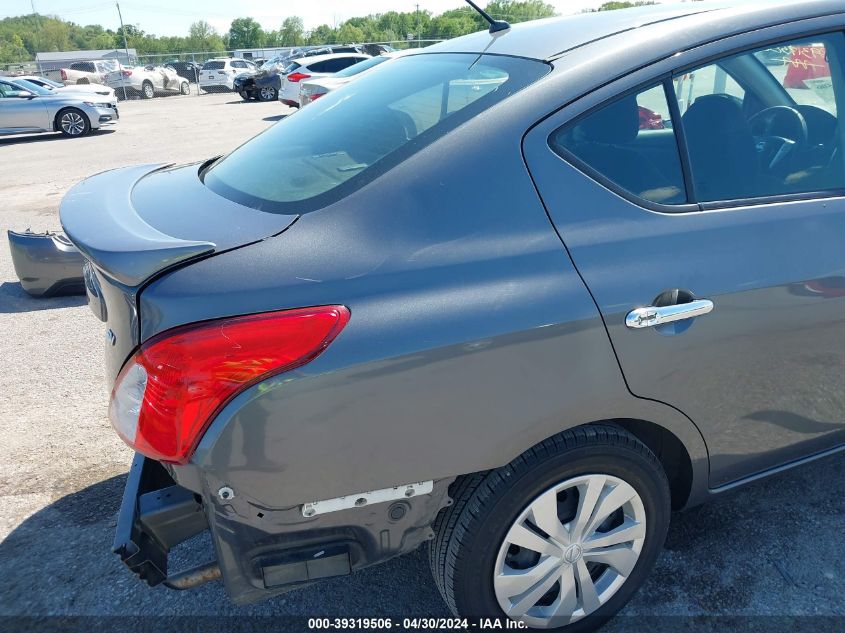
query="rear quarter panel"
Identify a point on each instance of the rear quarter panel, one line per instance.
(472, 337)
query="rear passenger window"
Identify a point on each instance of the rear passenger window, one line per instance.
(631, 143)
(319, 67)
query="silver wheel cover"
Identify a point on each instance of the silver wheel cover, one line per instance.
(267, 93)
(72, 123)
(549, 573)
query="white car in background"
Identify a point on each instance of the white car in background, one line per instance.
(55, 86)
(219, 74)
(313, 89)
(147, 81)
(315, 67)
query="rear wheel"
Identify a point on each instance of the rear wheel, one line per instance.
(147, 90)
(268, 93)
(561, 537)
(72, 122)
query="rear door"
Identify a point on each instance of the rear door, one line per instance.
(721, 278)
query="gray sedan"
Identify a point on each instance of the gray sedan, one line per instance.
(516, 296)
(26, 107)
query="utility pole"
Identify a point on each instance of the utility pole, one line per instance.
(418, 25)
(37, 30)
(125, 48)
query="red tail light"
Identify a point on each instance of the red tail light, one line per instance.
(126, 73)
(317, 95)
(297, 77)
(64, 74)
(169, 392)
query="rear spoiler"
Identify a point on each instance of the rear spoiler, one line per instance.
(102, 223)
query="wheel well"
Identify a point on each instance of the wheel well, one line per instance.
(669, 450)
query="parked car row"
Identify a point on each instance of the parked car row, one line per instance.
(279, 77)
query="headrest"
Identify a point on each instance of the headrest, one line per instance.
(617, 123)
(716, 112)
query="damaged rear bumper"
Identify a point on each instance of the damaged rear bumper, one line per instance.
(260, 552)
(47, 264)
(155, 515)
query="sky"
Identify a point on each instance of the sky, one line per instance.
(156, 17)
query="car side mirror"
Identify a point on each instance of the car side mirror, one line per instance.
(25, 94)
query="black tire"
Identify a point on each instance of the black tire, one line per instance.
(469, 533)
(244, 95)
(72, 123)
(147, 90)
(185, 88)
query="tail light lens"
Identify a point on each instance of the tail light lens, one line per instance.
(64, 74)
(297, 77)
(126, 73)
(316, 96)
(169, 392)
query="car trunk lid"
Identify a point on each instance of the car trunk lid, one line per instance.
(134, 223)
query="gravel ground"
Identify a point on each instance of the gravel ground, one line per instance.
(768, 557)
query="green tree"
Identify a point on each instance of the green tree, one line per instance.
(202, 37)
(293, 32)
(245, 33)
(349, 34)
(323, 34)
(12, 49)
(612, 6)
(514, 11)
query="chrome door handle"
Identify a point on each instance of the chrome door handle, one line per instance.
(652, 315)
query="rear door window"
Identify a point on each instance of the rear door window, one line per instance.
(629, 143)
(780, 134)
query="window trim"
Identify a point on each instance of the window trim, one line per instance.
(665, 79)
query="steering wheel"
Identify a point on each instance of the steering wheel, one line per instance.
(780, 132)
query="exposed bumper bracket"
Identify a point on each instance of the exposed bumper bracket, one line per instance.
(156, 515)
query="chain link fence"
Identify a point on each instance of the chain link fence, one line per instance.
(187, 64)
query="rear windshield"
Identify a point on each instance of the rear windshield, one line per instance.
(213, 65)
(349, 137)
(360, 67)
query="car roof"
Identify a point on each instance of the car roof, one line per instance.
(307, 61)
(550, 38)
